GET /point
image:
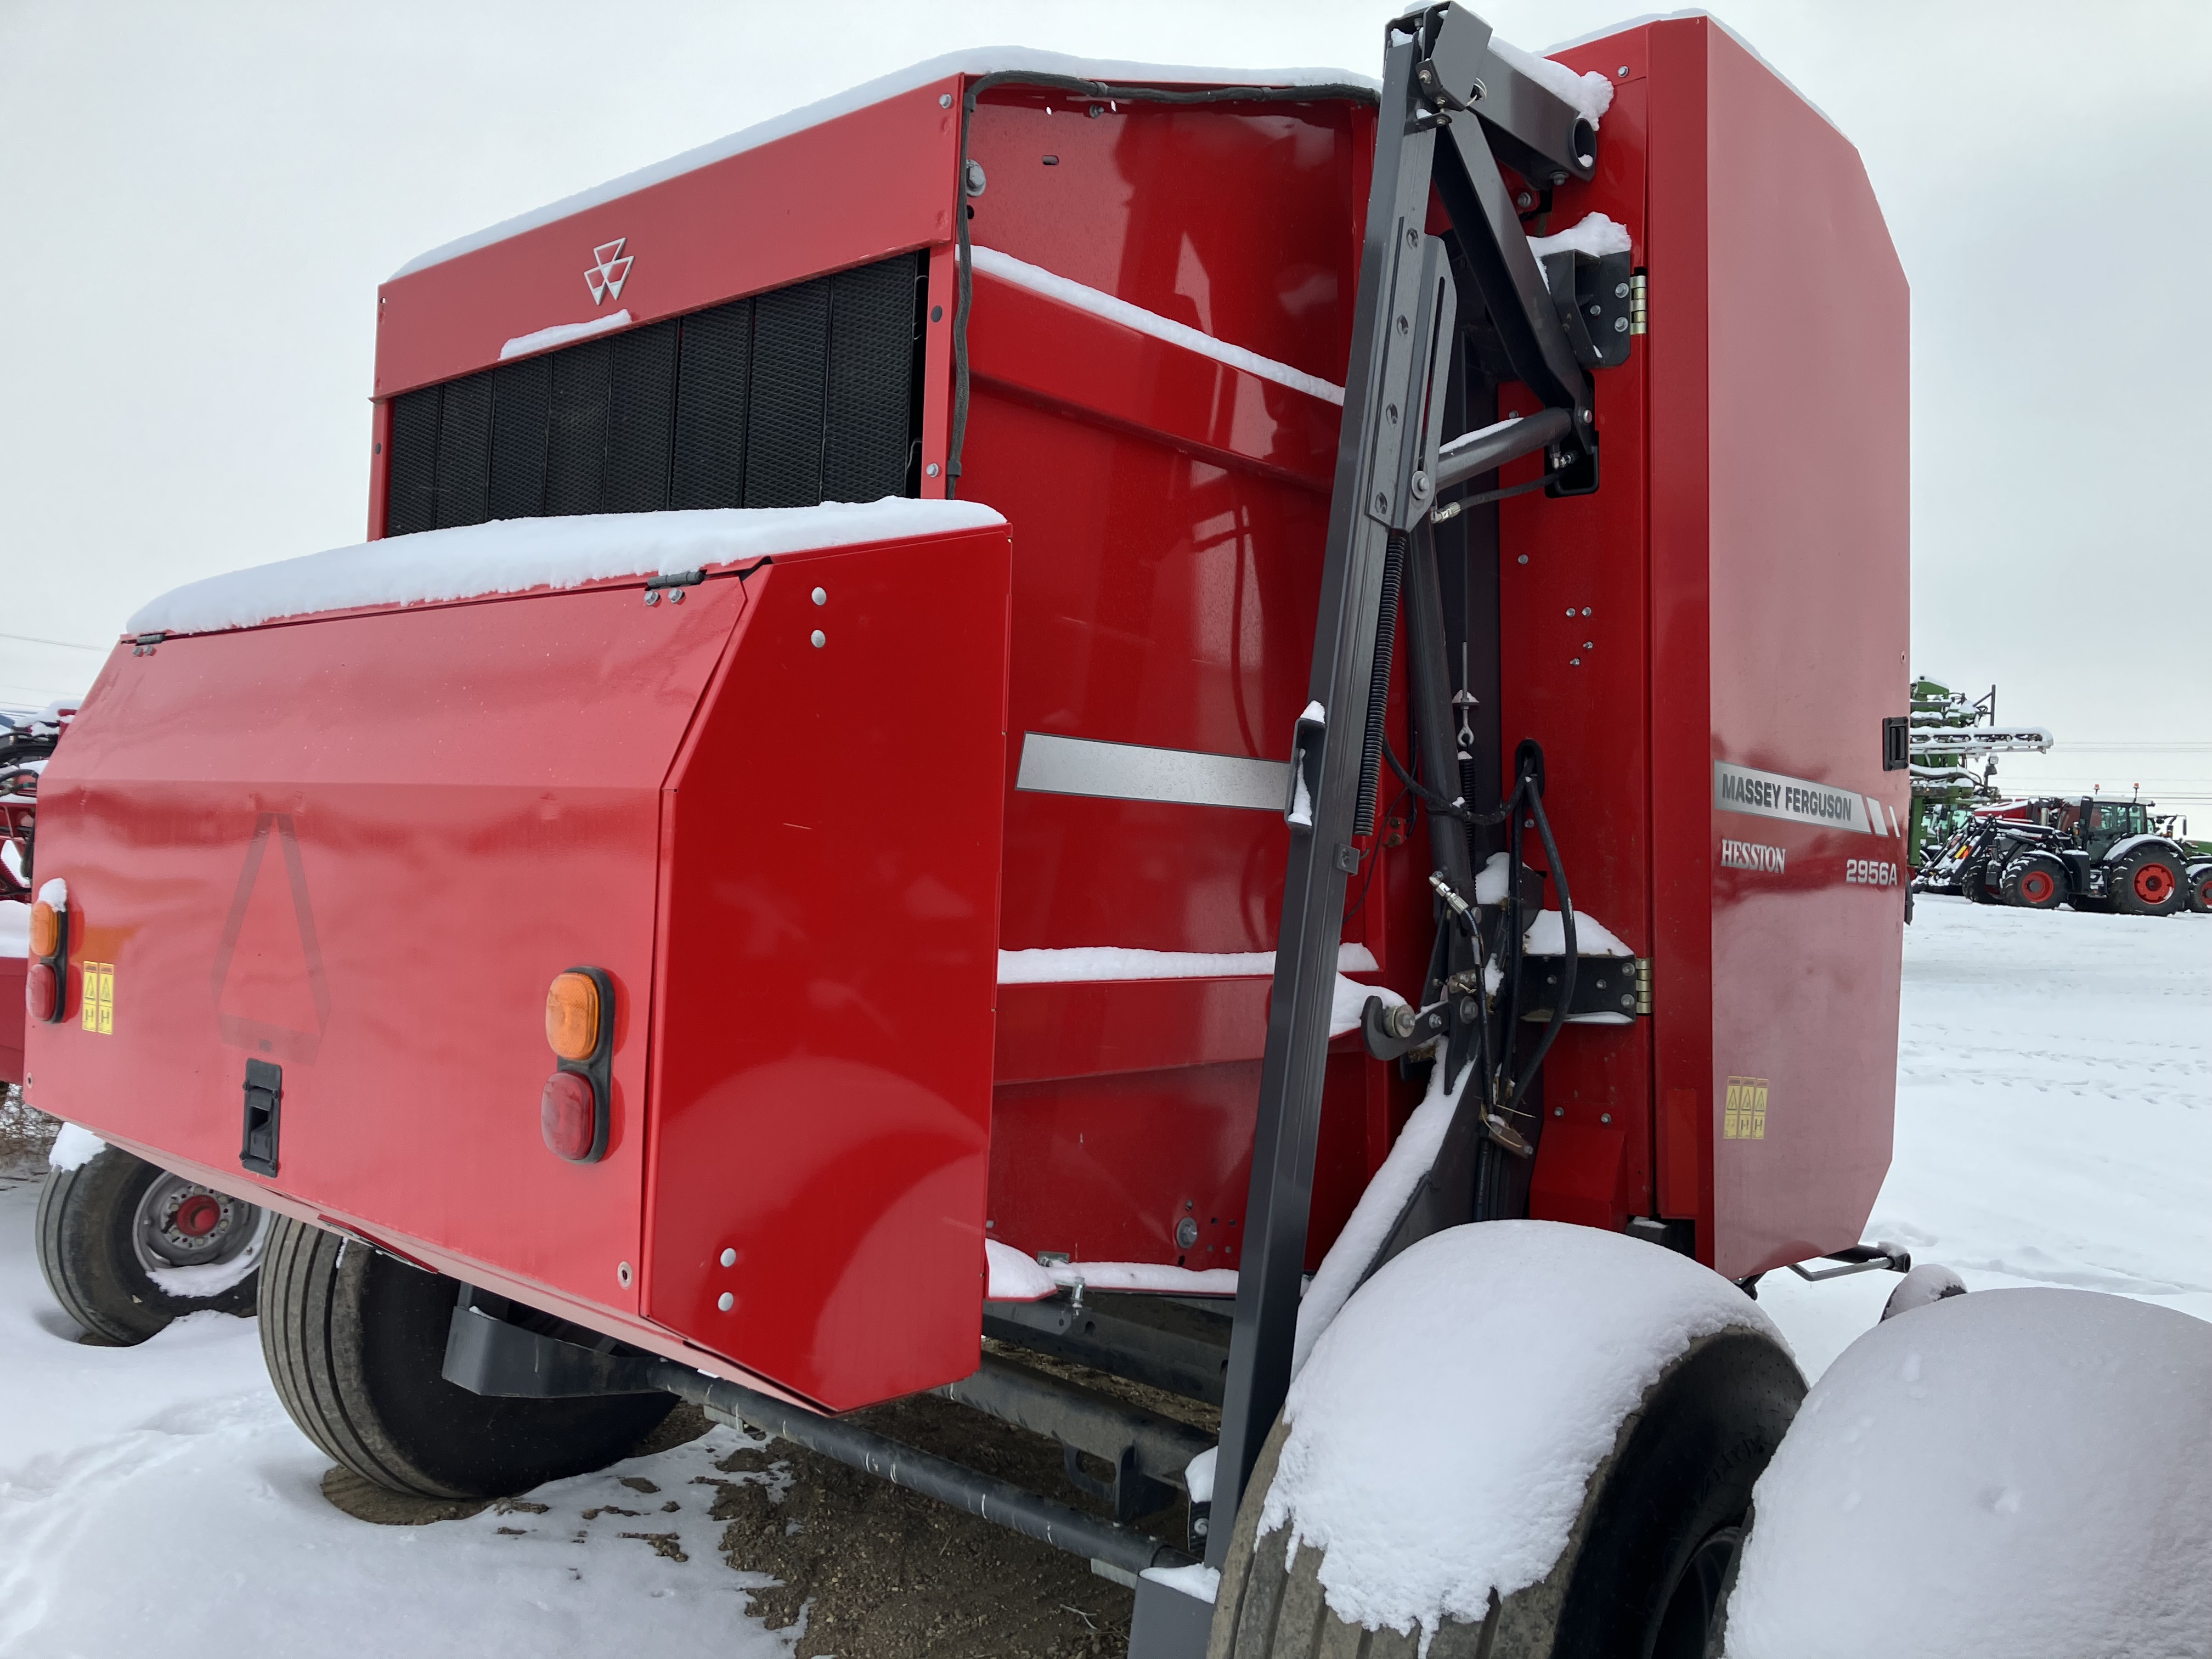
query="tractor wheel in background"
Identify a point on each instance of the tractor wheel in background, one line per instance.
(356, 1343)
(126, 1246)
(1973, 882)
(2198, 879)
(2146, 883)
(2035, 881)
(1645, 1566)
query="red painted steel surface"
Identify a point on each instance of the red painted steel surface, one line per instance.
(875, 182)
(829, 962)
(809, 855)
(12, 1018)
(361, 848)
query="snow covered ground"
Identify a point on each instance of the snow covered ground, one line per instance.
(2054, 1127)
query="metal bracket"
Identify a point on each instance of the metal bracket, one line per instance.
(1603, 985)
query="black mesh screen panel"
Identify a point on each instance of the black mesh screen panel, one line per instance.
(807, 394)
(642, 419)
(872, 336)
(713, 374)
(411, 467)
(783, 422)
(576, 435)
(464, 451)
(521, 399)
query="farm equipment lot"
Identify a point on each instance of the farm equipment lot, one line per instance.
(2054, 1127)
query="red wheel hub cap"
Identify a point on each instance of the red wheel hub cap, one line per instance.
(197, 1216)
(2154, 882)
(2035, 886)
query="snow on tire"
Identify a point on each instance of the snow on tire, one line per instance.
(1519, 1438)
(2018, 1472)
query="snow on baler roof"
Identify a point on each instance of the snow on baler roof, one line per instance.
(1590, 94)
(515, 555)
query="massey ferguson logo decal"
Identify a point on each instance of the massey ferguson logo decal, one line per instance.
(606, 277)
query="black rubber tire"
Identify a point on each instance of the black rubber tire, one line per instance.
(1643, 1573)
(2121, 885)
(356, 1343)
(1973, 882)
(2198, 879)
(85, 1223)
(2035, 881)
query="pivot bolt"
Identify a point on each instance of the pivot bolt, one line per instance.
(1398, 1020)
(1186, 1233)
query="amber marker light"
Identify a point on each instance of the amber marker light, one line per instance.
(572, 1016)
(46, 929)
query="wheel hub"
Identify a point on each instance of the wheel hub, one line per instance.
(2035, 886)
(181, 1224)
(2154, 882)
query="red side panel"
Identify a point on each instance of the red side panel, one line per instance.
(824, 1037)
(361, 848)
(12, 1018)
(1779, 546)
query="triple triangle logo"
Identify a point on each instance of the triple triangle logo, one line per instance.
(609, 270)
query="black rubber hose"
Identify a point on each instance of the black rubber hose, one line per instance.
(1566, 944)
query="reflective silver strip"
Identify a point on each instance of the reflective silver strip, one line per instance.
(1054, 765)
(1762, 794)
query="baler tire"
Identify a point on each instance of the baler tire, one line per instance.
(2146, 883)
(355, 1342)
(87, 1219)
(1643, 1571)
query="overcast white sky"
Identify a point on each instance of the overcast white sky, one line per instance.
(199, 200)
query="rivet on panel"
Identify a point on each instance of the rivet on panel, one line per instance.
(621, 1275)
(1605, 1117)
(653, 596)
(821, 639)
(821, 596)
(931, 469)
(944, 99)
(1524, 558)
(729, 1258)
(725, 1302)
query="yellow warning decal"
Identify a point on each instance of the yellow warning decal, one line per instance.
(98, 998)
(1744, 1115)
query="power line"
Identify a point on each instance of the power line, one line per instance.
(66, 645)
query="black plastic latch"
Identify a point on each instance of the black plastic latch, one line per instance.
(264, 1099)
(1896, 742)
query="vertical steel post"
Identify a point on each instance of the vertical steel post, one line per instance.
(1378, 425)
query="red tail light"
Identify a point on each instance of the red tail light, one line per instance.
(42, 991)
(569, 1116)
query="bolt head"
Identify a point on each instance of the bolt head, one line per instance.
(622, 1274)
(1186, 1233)
(1605, 1117)
(821, 596)
(931, 469)
(818, 639)
(729, 1258)
(725, 1302)
(945, 100)
(1399, 1021)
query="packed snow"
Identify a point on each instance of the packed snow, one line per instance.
(514, 555)
(1594, 235)
(2024, 1472)
(54, 891)
(2054, 1114)
(1419, 1524)
(1099, 303)
(1590, 94)
(1380, 1206)
(561, 334)
(1143, 1276)
(74, 1147)
(15, 929)
(162, 1489)
(1013, 1277)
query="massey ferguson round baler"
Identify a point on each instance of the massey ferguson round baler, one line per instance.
(1096, 708)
